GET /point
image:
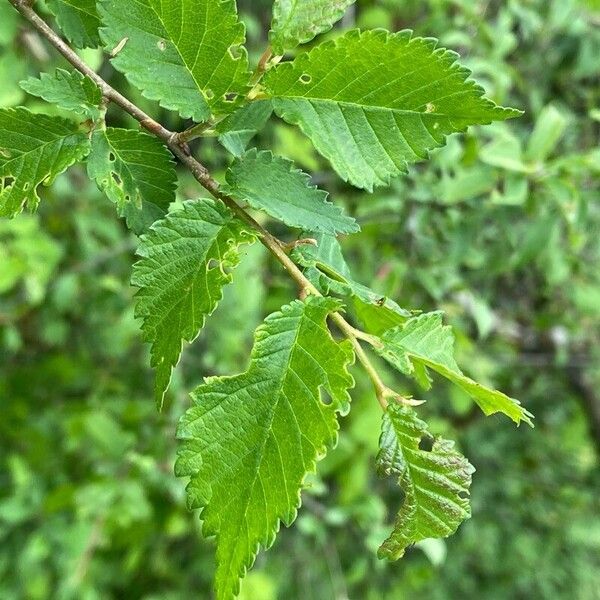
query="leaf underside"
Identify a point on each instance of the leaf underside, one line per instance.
(372, 101)
(271, 183)
(435, 482)
(34, 150)
(299, 21)
(250, 440)
(185, 262)
(137, 173)
(424, 343)
(187, 54)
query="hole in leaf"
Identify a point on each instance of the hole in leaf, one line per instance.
(305, 78)
(116, 178)
(162, 45)
(112, 157)
(426, 443)
(5, 153)
(7, 182)
(209, 94)
(26, 186)
(326, 398)
(235, 51)
(463, 495)
(213, 263)
(230, 97)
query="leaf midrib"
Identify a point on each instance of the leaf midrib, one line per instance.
(268, 430)
(371, 107)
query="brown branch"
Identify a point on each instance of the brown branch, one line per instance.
(204, 178)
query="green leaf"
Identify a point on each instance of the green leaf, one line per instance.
(186, 54)
(373, 101)
(549, 128)
(424, 342)
(136, 171)
(236, 130)
(272, 184)
(69, 90)
(251, 439)
(34, 149)
(435, 482)
(12, 70)
(299, 21)
(79, 21)
(327, 269)
(185, 261)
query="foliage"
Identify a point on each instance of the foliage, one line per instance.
(135, 171)
(180, 277)
(181, 52)
(373, 101)
(435, 481)
(272, 184)
(499, 229)
(251, 439)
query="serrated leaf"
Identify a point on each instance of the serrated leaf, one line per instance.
(425, 343)
(69, 90)
(34, 149)
(299, 21)
(136, 171)
(185, 262)
(273, 184)
(435, 482)
(250, 440)
(327, 269)
(372, 102)
(236, 130)
(79, 21)
(187, 54)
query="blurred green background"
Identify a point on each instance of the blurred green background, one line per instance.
(501, 229)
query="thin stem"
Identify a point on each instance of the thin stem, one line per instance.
(381, 390)
(262, 66)
(204, 178)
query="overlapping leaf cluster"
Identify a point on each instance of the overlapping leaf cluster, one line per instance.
(370, 102)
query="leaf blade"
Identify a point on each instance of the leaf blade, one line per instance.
(67, 89)
(325, 266)
(424, 341)
(180, 275)
(298, 22)
(180, 53)
(136, 172)
(236, 130)
(273, 417)
(372, 102)
(79, 21)
(435, 483)
(34, 150)
(272, 183)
